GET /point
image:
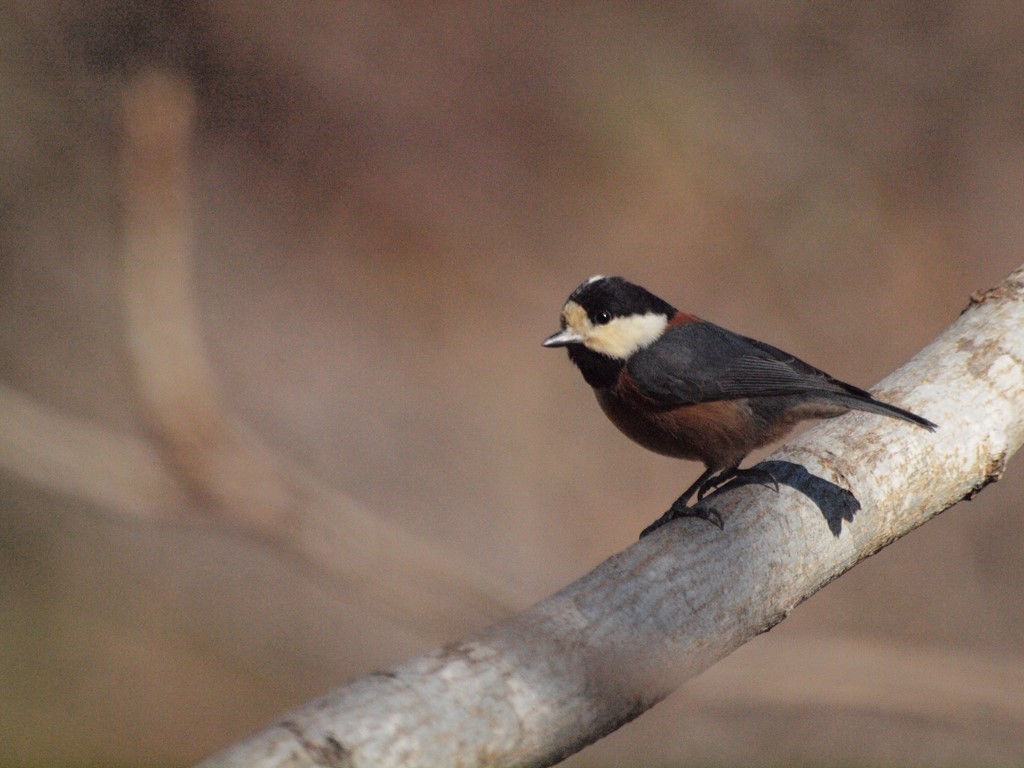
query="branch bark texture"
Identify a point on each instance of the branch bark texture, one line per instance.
(535, 688)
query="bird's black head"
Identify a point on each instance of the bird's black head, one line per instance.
(605, 321)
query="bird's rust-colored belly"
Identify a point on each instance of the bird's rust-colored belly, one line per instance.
(718, 433)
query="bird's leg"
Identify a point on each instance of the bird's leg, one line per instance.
(705, 484)
(714, 482)
(679, 507)
(698, 484)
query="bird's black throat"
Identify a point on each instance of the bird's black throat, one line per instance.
(599, 371)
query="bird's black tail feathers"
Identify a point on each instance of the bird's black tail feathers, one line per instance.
(859, 400)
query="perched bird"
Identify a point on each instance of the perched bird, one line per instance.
(683, 387)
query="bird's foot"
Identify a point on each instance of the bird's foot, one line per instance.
(702, 511)
(702, 488)
(752, 474)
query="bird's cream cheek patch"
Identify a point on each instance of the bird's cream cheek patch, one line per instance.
(625, 335)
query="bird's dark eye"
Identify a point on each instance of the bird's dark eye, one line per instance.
(603, 317)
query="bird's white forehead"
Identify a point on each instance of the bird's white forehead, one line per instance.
(593, 279)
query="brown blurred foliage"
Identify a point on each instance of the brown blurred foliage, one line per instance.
(389, 204)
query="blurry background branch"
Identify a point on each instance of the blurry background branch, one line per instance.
(214, 470)
(84, 460)
(234, 477)
(537, 687)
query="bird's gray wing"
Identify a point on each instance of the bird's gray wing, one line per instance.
(701, 362)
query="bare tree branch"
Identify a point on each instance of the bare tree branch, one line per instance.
(83, 460)
(535, 688)
(382, 565)
(203, 466)
(233, 477)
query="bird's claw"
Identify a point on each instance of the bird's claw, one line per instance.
(702, 511)
(708, 485)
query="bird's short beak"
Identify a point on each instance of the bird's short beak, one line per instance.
(563, 338)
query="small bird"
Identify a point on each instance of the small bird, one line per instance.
(683, 387)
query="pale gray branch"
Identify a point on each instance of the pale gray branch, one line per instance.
(535, 688)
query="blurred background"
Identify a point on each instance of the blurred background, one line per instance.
(273, 407)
